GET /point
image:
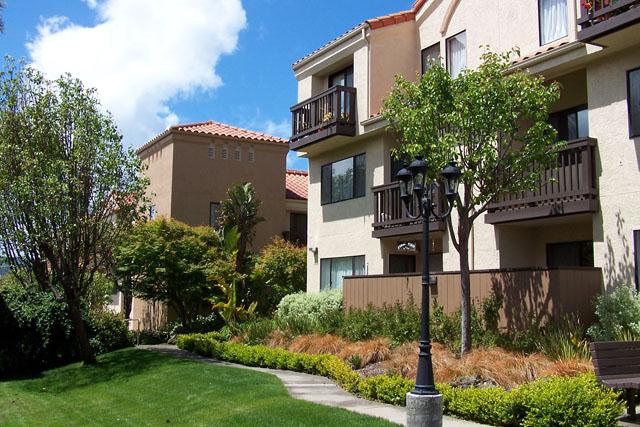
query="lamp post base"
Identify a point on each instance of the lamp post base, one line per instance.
(424, 410)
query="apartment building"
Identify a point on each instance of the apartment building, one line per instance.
(587, 216)
(191, 167)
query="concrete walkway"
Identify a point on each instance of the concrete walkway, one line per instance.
(316, 389)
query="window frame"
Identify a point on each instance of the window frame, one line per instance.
(422, 52)
(354, 192)
(353, 268)
(211, 205)
(629, 115)
(540, 27)
(446, 48)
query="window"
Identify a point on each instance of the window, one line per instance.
(571, 124)
(552, 20)
(633, 102)
(402, 264)
(252, 155)
(636, 256)
(429, 55)
(298, 228)
(396, 165)
(343, 77)
(343, 180)
(333, 270)
(457, 54)
(570, 254)
(225, 152)
(214, 211)
(152, 212)
(212, 151)
(238, 154)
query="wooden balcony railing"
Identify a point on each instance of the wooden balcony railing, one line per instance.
(390, 215)
(333, 112)
(607, 16)
(568, 188)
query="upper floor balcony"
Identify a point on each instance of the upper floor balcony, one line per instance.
(568, 188)
(390, 215)
(600, 18)
(332, 112)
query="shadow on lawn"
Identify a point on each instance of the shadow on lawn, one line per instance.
(111, 367)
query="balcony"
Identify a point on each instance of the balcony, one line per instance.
(606, 17)
(330, 113)
(569, 188)
(390, 216)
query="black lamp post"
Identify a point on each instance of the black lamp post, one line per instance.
(413, 183)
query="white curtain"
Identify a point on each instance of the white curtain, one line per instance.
(457, 54)
(553, 20)
(340, 267)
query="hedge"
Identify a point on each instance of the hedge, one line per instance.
(560, 401)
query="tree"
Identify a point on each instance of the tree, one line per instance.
(493, 122)
(169, 261)
(280, 270)
(240, 210)
(68, 188)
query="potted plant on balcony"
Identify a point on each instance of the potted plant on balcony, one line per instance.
(328, 116)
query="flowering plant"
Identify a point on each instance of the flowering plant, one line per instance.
(587, 5)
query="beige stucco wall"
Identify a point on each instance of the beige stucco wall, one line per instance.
(617, 166)
(502, 25)
(393, 50)
(344, 228)
(158, 161)
(199, 180)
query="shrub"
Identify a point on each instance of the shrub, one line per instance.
(304, 313)
(36, 332)
(560, 401)
(280, 270)
(255, 331)
(564, 341)
(400, 323)
(108, 332)
(618, 313)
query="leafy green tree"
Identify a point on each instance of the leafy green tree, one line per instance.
(240, 210)
(280, 270)
(169, 261)
(493, 122)
(68, 188)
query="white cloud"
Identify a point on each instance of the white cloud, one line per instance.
(282, 129)
(141, 54)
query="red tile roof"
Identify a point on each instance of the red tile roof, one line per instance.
(216, 129)
(296, 184)
(542, 50)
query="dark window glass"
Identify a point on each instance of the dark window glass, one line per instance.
(633, 101)
(344, 179)
(360, 175)
(333, 270)
(396, 165)
(570, 254)
(342, 78)
(298, 228)
(636, 255)
(402, 264)
(214, 210)
(571, 124)
(326, 184)
(429, 55)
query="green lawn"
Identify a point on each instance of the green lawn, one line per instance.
(137, 387)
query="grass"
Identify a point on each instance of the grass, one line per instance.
(137, 387)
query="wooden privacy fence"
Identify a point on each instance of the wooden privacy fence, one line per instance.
(530, 296)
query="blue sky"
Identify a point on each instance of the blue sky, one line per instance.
(251, 85)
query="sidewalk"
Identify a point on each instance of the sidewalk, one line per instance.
(316, 389)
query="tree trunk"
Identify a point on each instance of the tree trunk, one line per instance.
(84, 347)
(465, 286)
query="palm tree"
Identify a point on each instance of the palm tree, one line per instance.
(240, 209)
